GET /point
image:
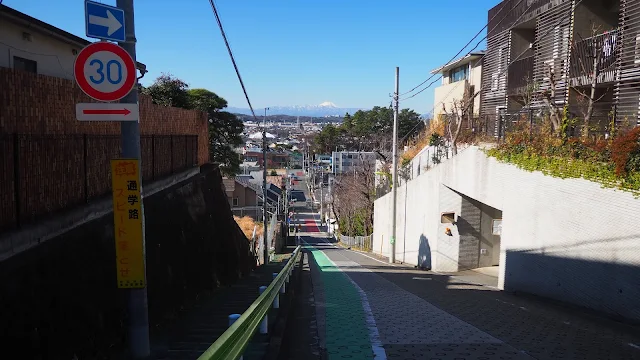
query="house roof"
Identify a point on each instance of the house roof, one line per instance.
(460, 61)
(244, 181)
(274, 188)
(229, 185)
(25, 20)
(272, 195)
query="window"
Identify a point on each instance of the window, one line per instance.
(459, 73)
(25, 64)
(235, 201)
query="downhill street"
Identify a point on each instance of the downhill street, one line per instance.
(357, 306)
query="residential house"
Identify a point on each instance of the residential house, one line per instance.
(29, 44)
(543, 52)
(243, 198)
(244, 194)
(458, 76)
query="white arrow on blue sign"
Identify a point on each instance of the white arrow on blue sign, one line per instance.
(104, 22)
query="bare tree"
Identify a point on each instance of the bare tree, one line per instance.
(460, 109)
(353, 195)
(589, 98)
(549, 99)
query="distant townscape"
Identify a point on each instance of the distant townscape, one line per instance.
(326, 109)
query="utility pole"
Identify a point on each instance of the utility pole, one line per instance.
(264, 187)
(321, 197)
(394, 189)
(130, 142)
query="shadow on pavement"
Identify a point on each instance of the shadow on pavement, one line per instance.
(420, 314)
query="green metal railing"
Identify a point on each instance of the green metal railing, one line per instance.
(233, 342)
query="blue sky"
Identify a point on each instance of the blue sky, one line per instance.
(293, 52)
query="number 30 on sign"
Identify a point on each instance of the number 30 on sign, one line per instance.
(105, 71)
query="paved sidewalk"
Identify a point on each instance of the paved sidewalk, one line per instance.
(368, 309)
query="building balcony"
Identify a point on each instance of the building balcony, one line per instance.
(510, 13)
(582, 59)
(519, 75)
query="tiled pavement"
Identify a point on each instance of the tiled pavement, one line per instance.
(363, 305)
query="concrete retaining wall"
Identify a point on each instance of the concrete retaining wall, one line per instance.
(59, 296)
(567, 239)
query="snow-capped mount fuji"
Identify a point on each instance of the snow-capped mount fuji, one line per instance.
(326, 108)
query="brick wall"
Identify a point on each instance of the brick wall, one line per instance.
(40, 104)
(61, 162)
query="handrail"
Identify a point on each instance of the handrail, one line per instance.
(232, 343)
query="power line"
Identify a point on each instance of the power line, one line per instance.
(469, 52)
(455, 87)
(233, 60)
(511, 62)
(459, 52)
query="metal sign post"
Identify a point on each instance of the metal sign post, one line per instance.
(107, 73)
(130, 140)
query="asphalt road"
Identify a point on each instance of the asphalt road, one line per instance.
(358, 306)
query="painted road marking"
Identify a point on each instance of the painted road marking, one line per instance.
(374, 334)
(339, 315)
(345, 319)
(398, 313)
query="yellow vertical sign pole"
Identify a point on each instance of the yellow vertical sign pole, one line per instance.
(127, 216)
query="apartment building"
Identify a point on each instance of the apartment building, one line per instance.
(558, 50)
(459, 75)
(349, 161)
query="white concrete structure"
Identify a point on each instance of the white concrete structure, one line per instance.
(32, 45)
(456, 75)
(568, 239)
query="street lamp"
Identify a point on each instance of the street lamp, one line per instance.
(264, 186)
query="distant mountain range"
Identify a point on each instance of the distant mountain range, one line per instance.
(325, 109)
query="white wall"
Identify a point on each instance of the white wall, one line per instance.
(54, 57)
(567, 239)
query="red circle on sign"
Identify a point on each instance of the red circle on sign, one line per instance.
(129, 64)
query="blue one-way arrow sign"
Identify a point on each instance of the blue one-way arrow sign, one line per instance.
(104, 21)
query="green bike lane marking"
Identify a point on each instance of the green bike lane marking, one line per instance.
(348, 332)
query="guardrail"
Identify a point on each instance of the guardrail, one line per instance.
(360, 242)
(232, 343)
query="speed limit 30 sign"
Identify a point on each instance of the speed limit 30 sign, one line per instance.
(105, 71)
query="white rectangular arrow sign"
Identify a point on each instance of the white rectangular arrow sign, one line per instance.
(107, 112)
